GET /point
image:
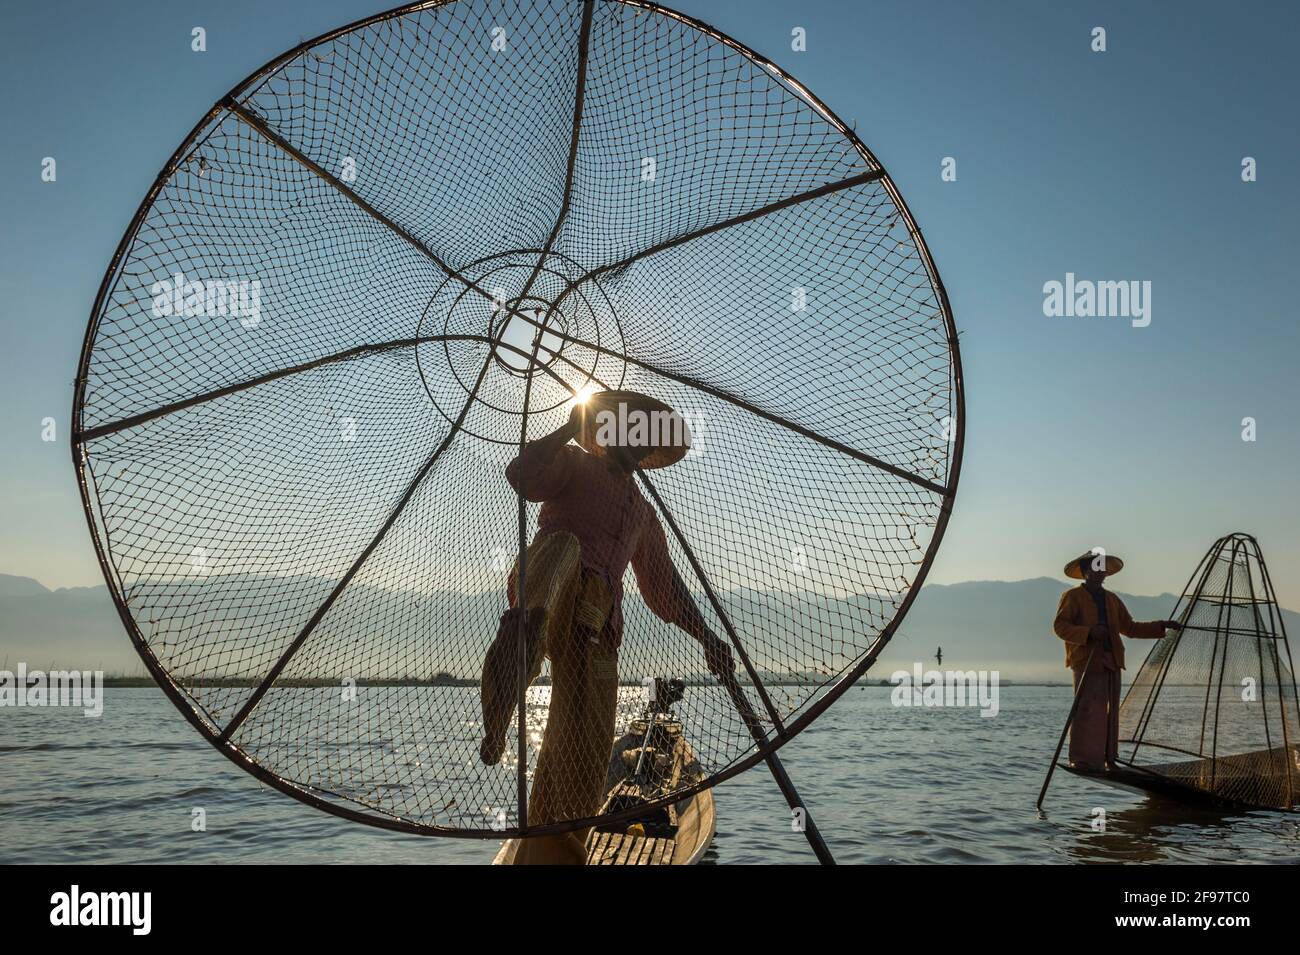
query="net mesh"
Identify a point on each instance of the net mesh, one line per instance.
(403, 247)
(1214, 707)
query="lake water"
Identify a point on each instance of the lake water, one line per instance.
(885, 784)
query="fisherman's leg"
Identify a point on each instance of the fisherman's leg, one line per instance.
(1112, 717)
(572, 769)
(598, 728)
(1088, 730)
(498, 688)
(600, 690)
(551, 797)
(581, 673)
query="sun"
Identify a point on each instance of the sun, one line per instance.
(583, 394)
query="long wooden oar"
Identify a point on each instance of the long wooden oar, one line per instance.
(1074, 708)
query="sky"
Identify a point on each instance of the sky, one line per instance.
(1116, 165)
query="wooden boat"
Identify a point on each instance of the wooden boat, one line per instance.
(1205, 782)
(1149, 784)
(652, 759)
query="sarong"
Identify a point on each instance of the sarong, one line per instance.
(573, 765)
(1094, 734)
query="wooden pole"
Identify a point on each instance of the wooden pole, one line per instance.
(1074, 708)
(738, 698)
(783, 782)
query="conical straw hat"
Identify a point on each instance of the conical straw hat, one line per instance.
(631, 419)
(1113, 565)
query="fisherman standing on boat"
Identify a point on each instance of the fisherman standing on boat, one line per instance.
(594, 522)
(1090, 619)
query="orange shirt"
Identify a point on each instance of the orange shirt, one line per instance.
(614, 524)
(1077, 614)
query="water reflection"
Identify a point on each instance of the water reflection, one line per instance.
(1162, 830)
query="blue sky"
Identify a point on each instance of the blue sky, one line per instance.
(1116, 165)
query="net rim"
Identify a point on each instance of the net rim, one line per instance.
(834, 688)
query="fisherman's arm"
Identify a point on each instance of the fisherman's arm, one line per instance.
(716, 652)
(1145, 630)
(668, 597)
(541, 465)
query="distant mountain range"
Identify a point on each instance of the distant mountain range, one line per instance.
(983, 625)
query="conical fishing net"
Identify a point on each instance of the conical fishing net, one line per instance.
(400, 250)
(1214, 707)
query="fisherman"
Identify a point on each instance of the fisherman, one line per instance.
(1090, 619)
(594, 521)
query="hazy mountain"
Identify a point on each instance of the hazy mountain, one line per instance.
(11, 586)
(75, 627)
(1002, 625)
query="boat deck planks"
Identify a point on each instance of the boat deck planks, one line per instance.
(621, 848)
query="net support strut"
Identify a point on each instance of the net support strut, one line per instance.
(1199, 577)
(256, 122)
(754, 410)
(871, 175)
(112, 427)
(747, 715)
(269, 680)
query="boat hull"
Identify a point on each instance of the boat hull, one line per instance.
(1156, 783)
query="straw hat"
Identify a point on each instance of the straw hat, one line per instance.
(1113, 565)
(631, 419)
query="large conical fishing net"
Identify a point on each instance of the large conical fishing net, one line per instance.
(1214, 707)
(398, 250)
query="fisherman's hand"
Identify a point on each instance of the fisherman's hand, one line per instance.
(1171, 624)
(1098, 633)
(577, 414)
(717, 655)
